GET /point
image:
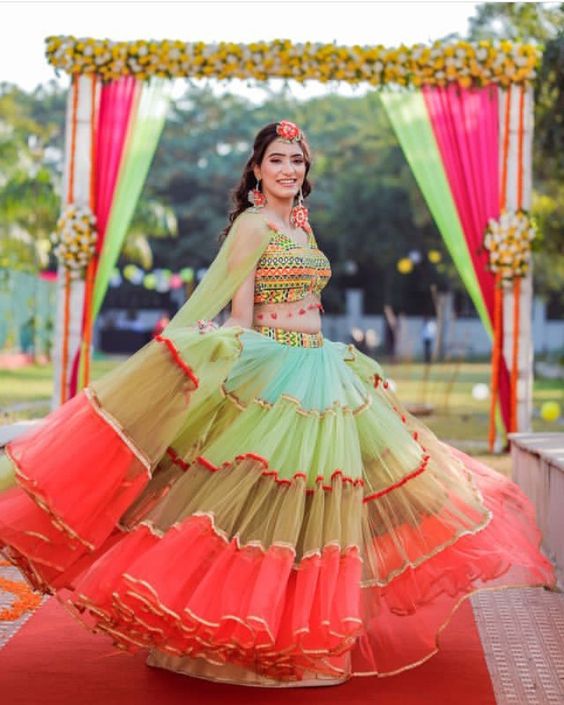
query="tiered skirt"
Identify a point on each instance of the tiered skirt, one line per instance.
(227, 501)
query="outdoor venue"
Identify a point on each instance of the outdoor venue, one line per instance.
(453, 314)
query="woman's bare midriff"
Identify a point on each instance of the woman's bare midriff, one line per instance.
(303, 316)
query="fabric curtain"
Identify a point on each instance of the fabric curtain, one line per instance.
(130, 118)
(146, 121)
(449, 136)
(410, 120)
(116, 100)
(465, 124)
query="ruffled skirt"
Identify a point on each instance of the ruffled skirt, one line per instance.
(259, 512)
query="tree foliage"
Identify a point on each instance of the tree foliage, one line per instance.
(544, 24)
(366, 208)
(31, 126)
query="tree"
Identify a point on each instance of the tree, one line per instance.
(31, 126)
(363, 188)
(541, 23)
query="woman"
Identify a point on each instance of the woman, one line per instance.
(251, 503)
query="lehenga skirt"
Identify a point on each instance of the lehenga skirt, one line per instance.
(260, 508)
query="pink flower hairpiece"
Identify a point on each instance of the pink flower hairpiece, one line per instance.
(288, 131)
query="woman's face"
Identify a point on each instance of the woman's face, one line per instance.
(282, 170)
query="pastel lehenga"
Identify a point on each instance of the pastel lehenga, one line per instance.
(257, 506)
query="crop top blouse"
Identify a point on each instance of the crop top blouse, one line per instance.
(288, 272)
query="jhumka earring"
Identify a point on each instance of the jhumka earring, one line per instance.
(299, 214)
(256, 196)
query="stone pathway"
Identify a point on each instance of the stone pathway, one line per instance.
(522, 633)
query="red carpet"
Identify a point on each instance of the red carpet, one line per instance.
(52, 660)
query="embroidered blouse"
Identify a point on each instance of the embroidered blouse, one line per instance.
(288, 272)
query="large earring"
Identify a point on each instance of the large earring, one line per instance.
(299, 213)
(256, 196)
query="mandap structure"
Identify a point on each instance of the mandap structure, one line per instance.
(462, 112)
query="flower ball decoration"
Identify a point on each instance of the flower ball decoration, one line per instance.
(75, 238)
(508, 242)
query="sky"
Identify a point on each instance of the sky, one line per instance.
(24, 25)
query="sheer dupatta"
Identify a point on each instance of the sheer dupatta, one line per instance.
(144, 398)
(246, 241)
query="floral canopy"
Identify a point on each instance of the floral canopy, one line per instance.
(466, 63)
(462, 113)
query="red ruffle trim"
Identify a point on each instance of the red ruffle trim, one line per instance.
(188, 371)
(406, 478)
(274, 474)
(404, 617)
(358, 482)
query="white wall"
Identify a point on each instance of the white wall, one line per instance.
(464, 336)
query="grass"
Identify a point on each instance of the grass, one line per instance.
(25, 393)
(456, 416)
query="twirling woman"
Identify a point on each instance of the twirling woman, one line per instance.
(252, 503)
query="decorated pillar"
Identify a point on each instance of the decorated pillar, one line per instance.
(516, 188)
(508, 241)
(74, 236)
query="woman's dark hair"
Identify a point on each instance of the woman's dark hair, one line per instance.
(240, 195)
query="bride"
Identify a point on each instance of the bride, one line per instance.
(252, 503)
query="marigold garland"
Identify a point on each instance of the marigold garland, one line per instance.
(75, 239)
(25, 602)
(467, 63)
(508, 242)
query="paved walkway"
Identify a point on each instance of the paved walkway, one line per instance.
(522, 633)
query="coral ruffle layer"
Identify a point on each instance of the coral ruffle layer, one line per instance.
(191, 592)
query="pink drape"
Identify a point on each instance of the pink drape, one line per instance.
(465, 124)
(116, 100)
(112, 123)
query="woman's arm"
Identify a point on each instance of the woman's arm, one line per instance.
(237, 257)
(242, 304)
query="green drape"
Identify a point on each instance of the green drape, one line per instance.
(146, 125)
(408, 114)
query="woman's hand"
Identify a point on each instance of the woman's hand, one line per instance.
(205, 326)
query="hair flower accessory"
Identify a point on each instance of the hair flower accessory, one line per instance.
(288, 131)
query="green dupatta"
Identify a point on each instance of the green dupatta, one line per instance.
(242, 248)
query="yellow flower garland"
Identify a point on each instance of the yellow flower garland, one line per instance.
(465, 63)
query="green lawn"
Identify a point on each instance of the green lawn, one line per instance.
(456, 416)
(25, 393)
